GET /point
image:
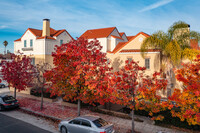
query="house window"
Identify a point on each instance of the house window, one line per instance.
(108, 61)
(129, 60)
(33, 61)
(147, 63)
(61, 42)
(24, 43)
(31, 43)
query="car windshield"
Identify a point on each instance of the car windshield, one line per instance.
(100, 122)
(8, 98)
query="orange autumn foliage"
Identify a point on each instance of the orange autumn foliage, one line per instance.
(188, 100)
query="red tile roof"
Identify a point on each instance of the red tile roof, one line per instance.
(194, 44)
(121, 33)
(121, 45)
(98, 33)
(17, 40)
(38, 33)
(129, 37)
(116, 37)
(138, 50)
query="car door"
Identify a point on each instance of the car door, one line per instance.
(86, 126)
(74, 126)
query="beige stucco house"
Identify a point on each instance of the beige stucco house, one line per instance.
(120, 47)
(39, 44)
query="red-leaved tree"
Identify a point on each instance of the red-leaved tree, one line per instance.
(133, 89)
(188, 97)
(80, 72)
(18, 73)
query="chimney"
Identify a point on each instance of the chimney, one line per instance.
(46, 27)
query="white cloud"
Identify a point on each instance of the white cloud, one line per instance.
(3, 26)
(156, 5)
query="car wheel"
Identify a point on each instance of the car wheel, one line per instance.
(1, 107)
(63, 129)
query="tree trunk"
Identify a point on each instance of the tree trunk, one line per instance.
(41, 107)
(15, 93)
(133, 126)
(79, 107)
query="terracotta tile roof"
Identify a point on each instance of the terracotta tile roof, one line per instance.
(121, 33)
(194, 44)
(129, 37)
(17, 40)
(116, 37)
(46, 37)
(117, 48)
(98, 33)
(138, 50)
(38, 33)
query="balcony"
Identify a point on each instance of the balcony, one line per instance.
(27, 49)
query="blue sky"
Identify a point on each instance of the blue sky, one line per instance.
(76, 16)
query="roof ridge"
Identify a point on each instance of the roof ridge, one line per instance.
(116, 50)
(101, 28)
(33, 28)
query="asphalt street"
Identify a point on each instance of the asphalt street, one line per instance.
(12, 125)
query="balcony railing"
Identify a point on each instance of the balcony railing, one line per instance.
(27, 49)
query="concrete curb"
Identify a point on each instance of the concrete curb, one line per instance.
(54, 119)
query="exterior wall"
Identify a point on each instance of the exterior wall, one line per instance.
(42, 48)
(49, 59)
(135, 43)
(118, 60)
(63, 36)
(38, 45)
(112, 43)
(103, 42)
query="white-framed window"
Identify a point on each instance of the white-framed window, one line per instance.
(31, 43)
(25, 43)
(61, 42)
(108, 61)
(33, 61)
(147, 63)
(129, 60)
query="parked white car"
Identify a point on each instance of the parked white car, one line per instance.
(86, 124)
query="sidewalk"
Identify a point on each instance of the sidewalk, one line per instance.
(121, 125)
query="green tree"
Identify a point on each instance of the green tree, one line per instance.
(5, 43)
(174, 46)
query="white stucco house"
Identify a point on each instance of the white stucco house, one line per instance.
(108, 37)
(39, 44)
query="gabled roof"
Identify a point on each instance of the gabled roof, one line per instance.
(38, 33)
(120, 45)
(17, 40)
(129, 37)
(117, 37)
(98, 33)
(121, 33)
(194, 44)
